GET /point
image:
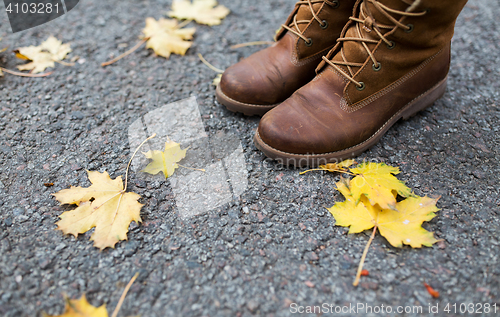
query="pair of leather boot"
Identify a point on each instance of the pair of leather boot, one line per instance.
(341, 73)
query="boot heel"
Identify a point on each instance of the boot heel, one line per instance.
(425, 100)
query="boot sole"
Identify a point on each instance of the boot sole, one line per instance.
(240, 107)
(299, 160)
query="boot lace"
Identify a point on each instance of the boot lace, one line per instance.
(322, 23)
(366, 19)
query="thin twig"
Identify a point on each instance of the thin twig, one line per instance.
(363, 257)
(144, 40)
(24, 74)
(250, 44)
(129, 162)
(122, 298)
(212, 67)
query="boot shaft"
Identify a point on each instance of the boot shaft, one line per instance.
(435, 28)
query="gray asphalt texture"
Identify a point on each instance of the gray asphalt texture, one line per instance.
(277, 244)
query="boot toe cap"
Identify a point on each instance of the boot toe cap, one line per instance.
(290, 129)
(246, 83)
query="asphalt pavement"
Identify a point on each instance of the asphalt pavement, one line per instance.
(266, 245)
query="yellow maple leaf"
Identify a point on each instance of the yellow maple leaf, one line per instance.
(202, 11)
(370, 202)
(104, 205)
(403, 226)
(377, 182)
(165, 37)
(166, 161)
(43, 56)
(81, 308)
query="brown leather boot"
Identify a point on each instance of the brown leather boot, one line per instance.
(391, 62)
(265, 79)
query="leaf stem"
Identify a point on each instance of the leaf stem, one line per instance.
(24, 74)
(144, 40)
(212, 67)
(311, 170)
(129, 162)
(363, 257)
(122, 298)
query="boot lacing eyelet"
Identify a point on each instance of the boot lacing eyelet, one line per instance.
(377, 67)
(324, 25)
(361, 86)
(335, 4)
(309, 41)
(410, 28)
(391, 45)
